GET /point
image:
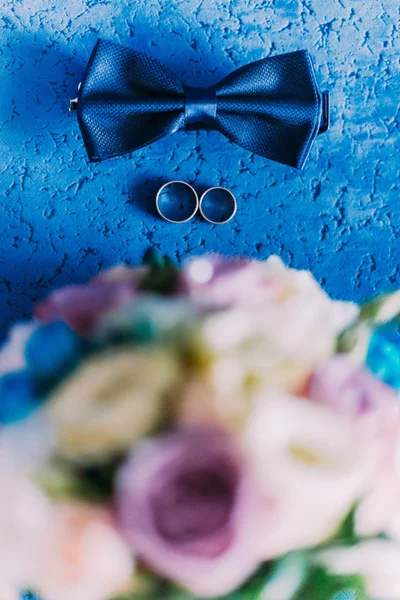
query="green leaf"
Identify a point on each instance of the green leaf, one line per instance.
(382, 309)
(153, 258)
(160, 280)
(355, 340)
(373, 315)
(346, 534)
(132, 596)
(62, 480)
(291, 577)
(252, 588)
(286, 577)
(162, 275)
(289, 571)
(151, 587)
(322, 585)
(164, 590)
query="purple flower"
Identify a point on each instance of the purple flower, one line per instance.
(82, 306)
(189, 509)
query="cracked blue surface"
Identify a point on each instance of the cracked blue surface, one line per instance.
(63, 219)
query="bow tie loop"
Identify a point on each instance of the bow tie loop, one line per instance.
(272, 107)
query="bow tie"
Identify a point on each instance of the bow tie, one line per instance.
(271, 107)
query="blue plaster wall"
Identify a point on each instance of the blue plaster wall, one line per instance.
(62, 219)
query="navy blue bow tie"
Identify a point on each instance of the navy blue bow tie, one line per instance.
(271, 107)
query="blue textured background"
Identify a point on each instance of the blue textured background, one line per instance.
(62, 219)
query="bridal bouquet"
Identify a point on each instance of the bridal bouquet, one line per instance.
(220, 430)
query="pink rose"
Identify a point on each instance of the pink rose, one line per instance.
(373, 408)
(354, 392)
(82, 306)
(217, 282)
(189, 509)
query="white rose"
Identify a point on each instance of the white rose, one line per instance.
(379, 510)
(302, 284)
(12, 353)
(278, 342)
(24, 516)
(26, 444)
(82, 556)
(63, 551)
(313, 465)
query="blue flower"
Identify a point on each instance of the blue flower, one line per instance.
(19, 396)
(52, 351)
(29, 596)
(383, 359)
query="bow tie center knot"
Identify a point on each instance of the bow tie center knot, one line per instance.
(200, 106)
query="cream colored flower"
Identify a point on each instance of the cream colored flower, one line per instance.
(110, 402)
(284, 341)
(273, 344)
(82, 556)
(313, 463)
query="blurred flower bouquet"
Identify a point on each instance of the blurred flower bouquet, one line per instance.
(224, 429)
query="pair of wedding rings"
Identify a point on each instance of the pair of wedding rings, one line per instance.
(178, 202)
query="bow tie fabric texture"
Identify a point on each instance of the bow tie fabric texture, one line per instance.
(272, 107)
